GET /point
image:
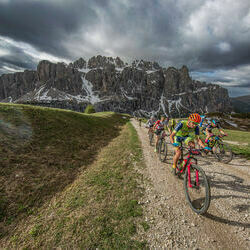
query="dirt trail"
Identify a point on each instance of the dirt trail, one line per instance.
(172, 222)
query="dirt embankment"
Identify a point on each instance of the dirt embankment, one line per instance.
(173, 224)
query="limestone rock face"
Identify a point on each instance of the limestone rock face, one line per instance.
(142, 88)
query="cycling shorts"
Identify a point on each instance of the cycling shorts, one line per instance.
(185, 139)
(159, 131)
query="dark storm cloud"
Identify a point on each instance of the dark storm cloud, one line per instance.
(18, 58)
(44, 24)
(206, 35)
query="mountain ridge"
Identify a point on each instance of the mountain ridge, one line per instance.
(241, 104)
(142, 88)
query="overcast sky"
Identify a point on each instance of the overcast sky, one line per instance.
(211, 37)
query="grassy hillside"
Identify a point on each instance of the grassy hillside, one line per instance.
(243, 139)
(67, 179)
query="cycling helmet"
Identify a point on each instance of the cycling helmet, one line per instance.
(195, 118)
(152, 117)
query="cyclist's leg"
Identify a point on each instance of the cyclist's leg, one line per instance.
(208, 135)
(158, 134)
(176, 156)
(177, 151)
(151, 129)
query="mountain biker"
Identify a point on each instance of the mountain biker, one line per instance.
(182, 133)
(203, 119)
(171, 125)
(212, 124)
(150, 124)
(203, 124)
(159, 129)
(140, 119)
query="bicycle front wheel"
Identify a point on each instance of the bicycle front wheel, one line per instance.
(197, 189)
(162, 150)
(223, 152)
(151, 137)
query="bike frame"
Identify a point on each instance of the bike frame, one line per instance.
(217, 138)
(188, 165)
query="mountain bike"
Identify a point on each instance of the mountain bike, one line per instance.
(196, 183)
(140, 122)
(222, 151)
(162, 149)
(151, 136)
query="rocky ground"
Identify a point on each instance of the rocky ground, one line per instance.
(172, 223)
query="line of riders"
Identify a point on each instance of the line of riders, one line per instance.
(182, 132)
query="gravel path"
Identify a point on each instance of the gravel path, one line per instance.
(173, 225)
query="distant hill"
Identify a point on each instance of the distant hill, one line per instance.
(241, 104)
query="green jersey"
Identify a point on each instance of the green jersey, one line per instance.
(172, 123)
(183, 130)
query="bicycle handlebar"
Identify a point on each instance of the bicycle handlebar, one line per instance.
(193, 151)
(220, 135)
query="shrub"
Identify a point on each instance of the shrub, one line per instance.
(241, 115)
(89, 109)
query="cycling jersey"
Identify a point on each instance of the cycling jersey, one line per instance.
(202, 122)
(160, 125)
(150, 123)
(166, 121)
(172, 123)
(183, 130)
(210, 126)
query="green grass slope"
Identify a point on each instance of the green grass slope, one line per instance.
(243, 140)
(67, 178)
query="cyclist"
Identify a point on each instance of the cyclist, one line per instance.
(203, 119)
(159, 129)
(140, 119)
(150, 124)
(213, 123)
(171, 125)
(182, 133)
(203, 123)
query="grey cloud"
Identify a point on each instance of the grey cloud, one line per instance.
(246, 85)
(44, 24)
(204, 35)
(235, 91)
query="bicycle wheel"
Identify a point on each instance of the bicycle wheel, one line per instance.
(162, 150)
(223, 152)
(197, 189)
(151, 137)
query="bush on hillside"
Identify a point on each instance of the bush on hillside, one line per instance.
(217, 114)
(89, 109)
(241, 115)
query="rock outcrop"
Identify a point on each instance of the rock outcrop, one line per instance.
(142, 88)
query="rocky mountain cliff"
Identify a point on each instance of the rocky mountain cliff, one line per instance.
(142, 88)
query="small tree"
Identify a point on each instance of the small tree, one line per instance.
(89, 109)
